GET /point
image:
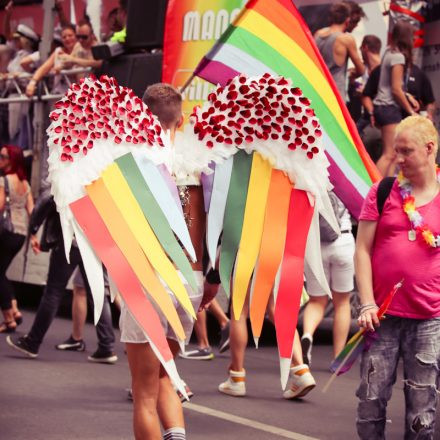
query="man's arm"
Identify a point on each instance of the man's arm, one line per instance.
(364, 272)
(7, 21)
(39, 73)
(428, 98)
(60, 12)
(353, 54)
(367, 102)
(26, 63)
(82, 62)
(43, 206)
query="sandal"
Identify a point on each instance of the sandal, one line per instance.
(18, 318)
(8, 327)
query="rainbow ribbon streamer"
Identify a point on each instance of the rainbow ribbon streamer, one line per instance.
(266, 224)
(361, 341)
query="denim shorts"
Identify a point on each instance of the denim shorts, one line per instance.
(387, 114)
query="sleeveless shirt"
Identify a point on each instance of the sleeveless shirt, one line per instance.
(339, 73)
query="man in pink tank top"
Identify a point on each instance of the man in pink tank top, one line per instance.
(402, 243)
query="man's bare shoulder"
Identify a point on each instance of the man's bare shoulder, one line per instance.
(346, 39)
(323, 32)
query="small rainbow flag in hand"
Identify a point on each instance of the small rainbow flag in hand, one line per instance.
(360, 342)
(270, 36)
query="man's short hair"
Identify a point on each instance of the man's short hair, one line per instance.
(355, 9)
(165, 102)
(373, 43)
(339, 12)
(422, 129)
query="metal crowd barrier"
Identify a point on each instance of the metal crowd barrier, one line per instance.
(14, 83)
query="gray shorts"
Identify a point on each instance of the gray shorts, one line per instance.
(78, 280)
(132, 332)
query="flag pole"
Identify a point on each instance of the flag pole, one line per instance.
(187, 83)
(335, 374)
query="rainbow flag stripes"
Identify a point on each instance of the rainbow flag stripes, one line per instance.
(271, 36)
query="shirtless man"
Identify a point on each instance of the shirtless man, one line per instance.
(337, 45)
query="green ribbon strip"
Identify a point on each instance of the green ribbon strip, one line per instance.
(234, 215)
(155, 216)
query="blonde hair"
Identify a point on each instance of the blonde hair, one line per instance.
(421, 128)
(165, 102)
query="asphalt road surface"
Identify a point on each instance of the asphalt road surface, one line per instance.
(60, 395)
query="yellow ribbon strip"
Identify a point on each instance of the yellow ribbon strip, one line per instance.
(252, 230)
(129, 246)
(127, 204)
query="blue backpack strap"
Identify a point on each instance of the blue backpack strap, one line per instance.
(383, 191)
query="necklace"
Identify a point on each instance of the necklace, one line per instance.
(416, 219)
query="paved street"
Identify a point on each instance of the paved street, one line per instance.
(62, 396)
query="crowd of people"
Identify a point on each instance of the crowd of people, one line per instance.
(396, 100)
(21, 70)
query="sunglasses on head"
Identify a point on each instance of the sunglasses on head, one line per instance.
(4, 156)
(82, 36)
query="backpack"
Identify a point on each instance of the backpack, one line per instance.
(327, 233)
(383, 191)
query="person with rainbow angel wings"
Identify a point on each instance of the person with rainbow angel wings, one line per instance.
(269, 185)
(113, 166)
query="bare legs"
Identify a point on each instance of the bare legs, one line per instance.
(15, 311)
(144, 368)
(239, 337)
(297, 358)
(169, 406)
(386, 163)
(218, 313)
(341, 321)
(314, 313)
(79, 312)
(154, 398)
(9, 324)
(201, 330)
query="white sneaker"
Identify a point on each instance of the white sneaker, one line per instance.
(235, 385)
(300, 382)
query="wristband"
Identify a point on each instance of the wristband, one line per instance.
(367, 307)
(364, 307)
(33, 82)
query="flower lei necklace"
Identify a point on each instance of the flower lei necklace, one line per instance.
(414, 216)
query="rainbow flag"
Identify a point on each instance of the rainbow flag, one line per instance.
(271, 36)
(359, 342)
